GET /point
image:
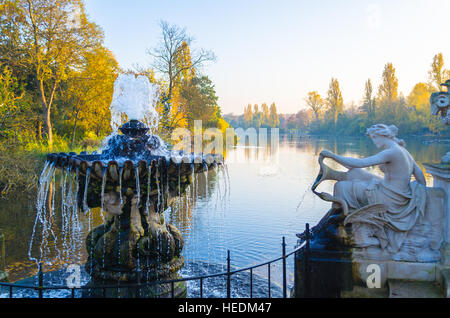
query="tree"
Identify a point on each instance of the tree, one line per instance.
(257, 118)
(89, 92)
(168, 57)
(419, 98)
(265, 115)
(10, 93)
(438, 74)
(248, 115)
(388, 90)
(199, 102)
(274, 121)
(50, 37)
(335, 100)
(368, 101)
(315, 102)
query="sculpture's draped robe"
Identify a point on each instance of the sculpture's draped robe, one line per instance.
(399, 212)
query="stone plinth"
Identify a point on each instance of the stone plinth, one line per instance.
(441, 179)
(336, 267)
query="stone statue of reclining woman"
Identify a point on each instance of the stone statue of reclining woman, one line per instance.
(381, 210)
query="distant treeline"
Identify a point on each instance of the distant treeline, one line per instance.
(328, 116)
(266, 117)
(411, 114)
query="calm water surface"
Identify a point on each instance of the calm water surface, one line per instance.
(267, 197)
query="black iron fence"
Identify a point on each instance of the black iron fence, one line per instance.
(138, 286)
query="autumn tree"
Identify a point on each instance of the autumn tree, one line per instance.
(274, 121)
(437, 74)
(257, 116)
(265, 114)
(10, 93)
(368, 99)
(335, 100)
(419, 98)
(199, 102)
(248, 115)
(315, 102)
(167, 55)
(89, 93)
(52, 35)
(177, 116)
(388, 90)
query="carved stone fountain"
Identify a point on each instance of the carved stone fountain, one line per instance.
(137, 241)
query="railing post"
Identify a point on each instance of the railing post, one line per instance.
(172, 289)
(138, 279)
(40, 280)
(228, 275)
(307, 236)
(251, 282)
(307, 264)
(283, 246)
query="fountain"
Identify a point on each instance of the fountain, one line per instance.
(134, 180)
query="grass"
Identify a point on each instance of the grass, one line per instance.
(21, 163)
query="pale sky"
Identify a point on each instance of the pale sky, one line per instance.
(278, 51)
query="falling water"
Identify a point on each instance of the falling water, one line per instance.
(158, 179)
(43, 217)
(205, 173)
(86, 208)
(219, 191)
(76, 234)
(120, 185)
(118, 217)
(65, 223)
(102, 199)
(302, 199)
(147, 203)
(40, 198)
(86, 184)
(138, 187)
(135, 97)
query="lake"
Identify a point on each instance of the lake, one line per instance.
(264, 196)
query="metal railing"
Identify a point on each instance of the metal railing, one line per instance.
(139, 286)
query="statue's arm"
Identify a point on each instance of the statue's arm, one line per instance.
(418, 174)
(380, 158)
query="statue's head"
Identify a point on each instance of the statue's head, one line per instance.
(381, 134)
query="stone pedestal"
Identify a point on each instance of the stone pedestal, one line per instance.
(441, 179)
(135, 247)
(335, 267)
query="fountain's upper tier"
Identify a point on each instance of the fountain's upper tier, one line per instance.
(134, 143)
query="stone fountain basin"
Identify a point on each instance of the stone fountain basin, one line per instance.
(170, 175)
(97, 164)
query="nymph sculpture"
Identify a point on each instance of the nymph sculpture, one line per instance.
(386, 214)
